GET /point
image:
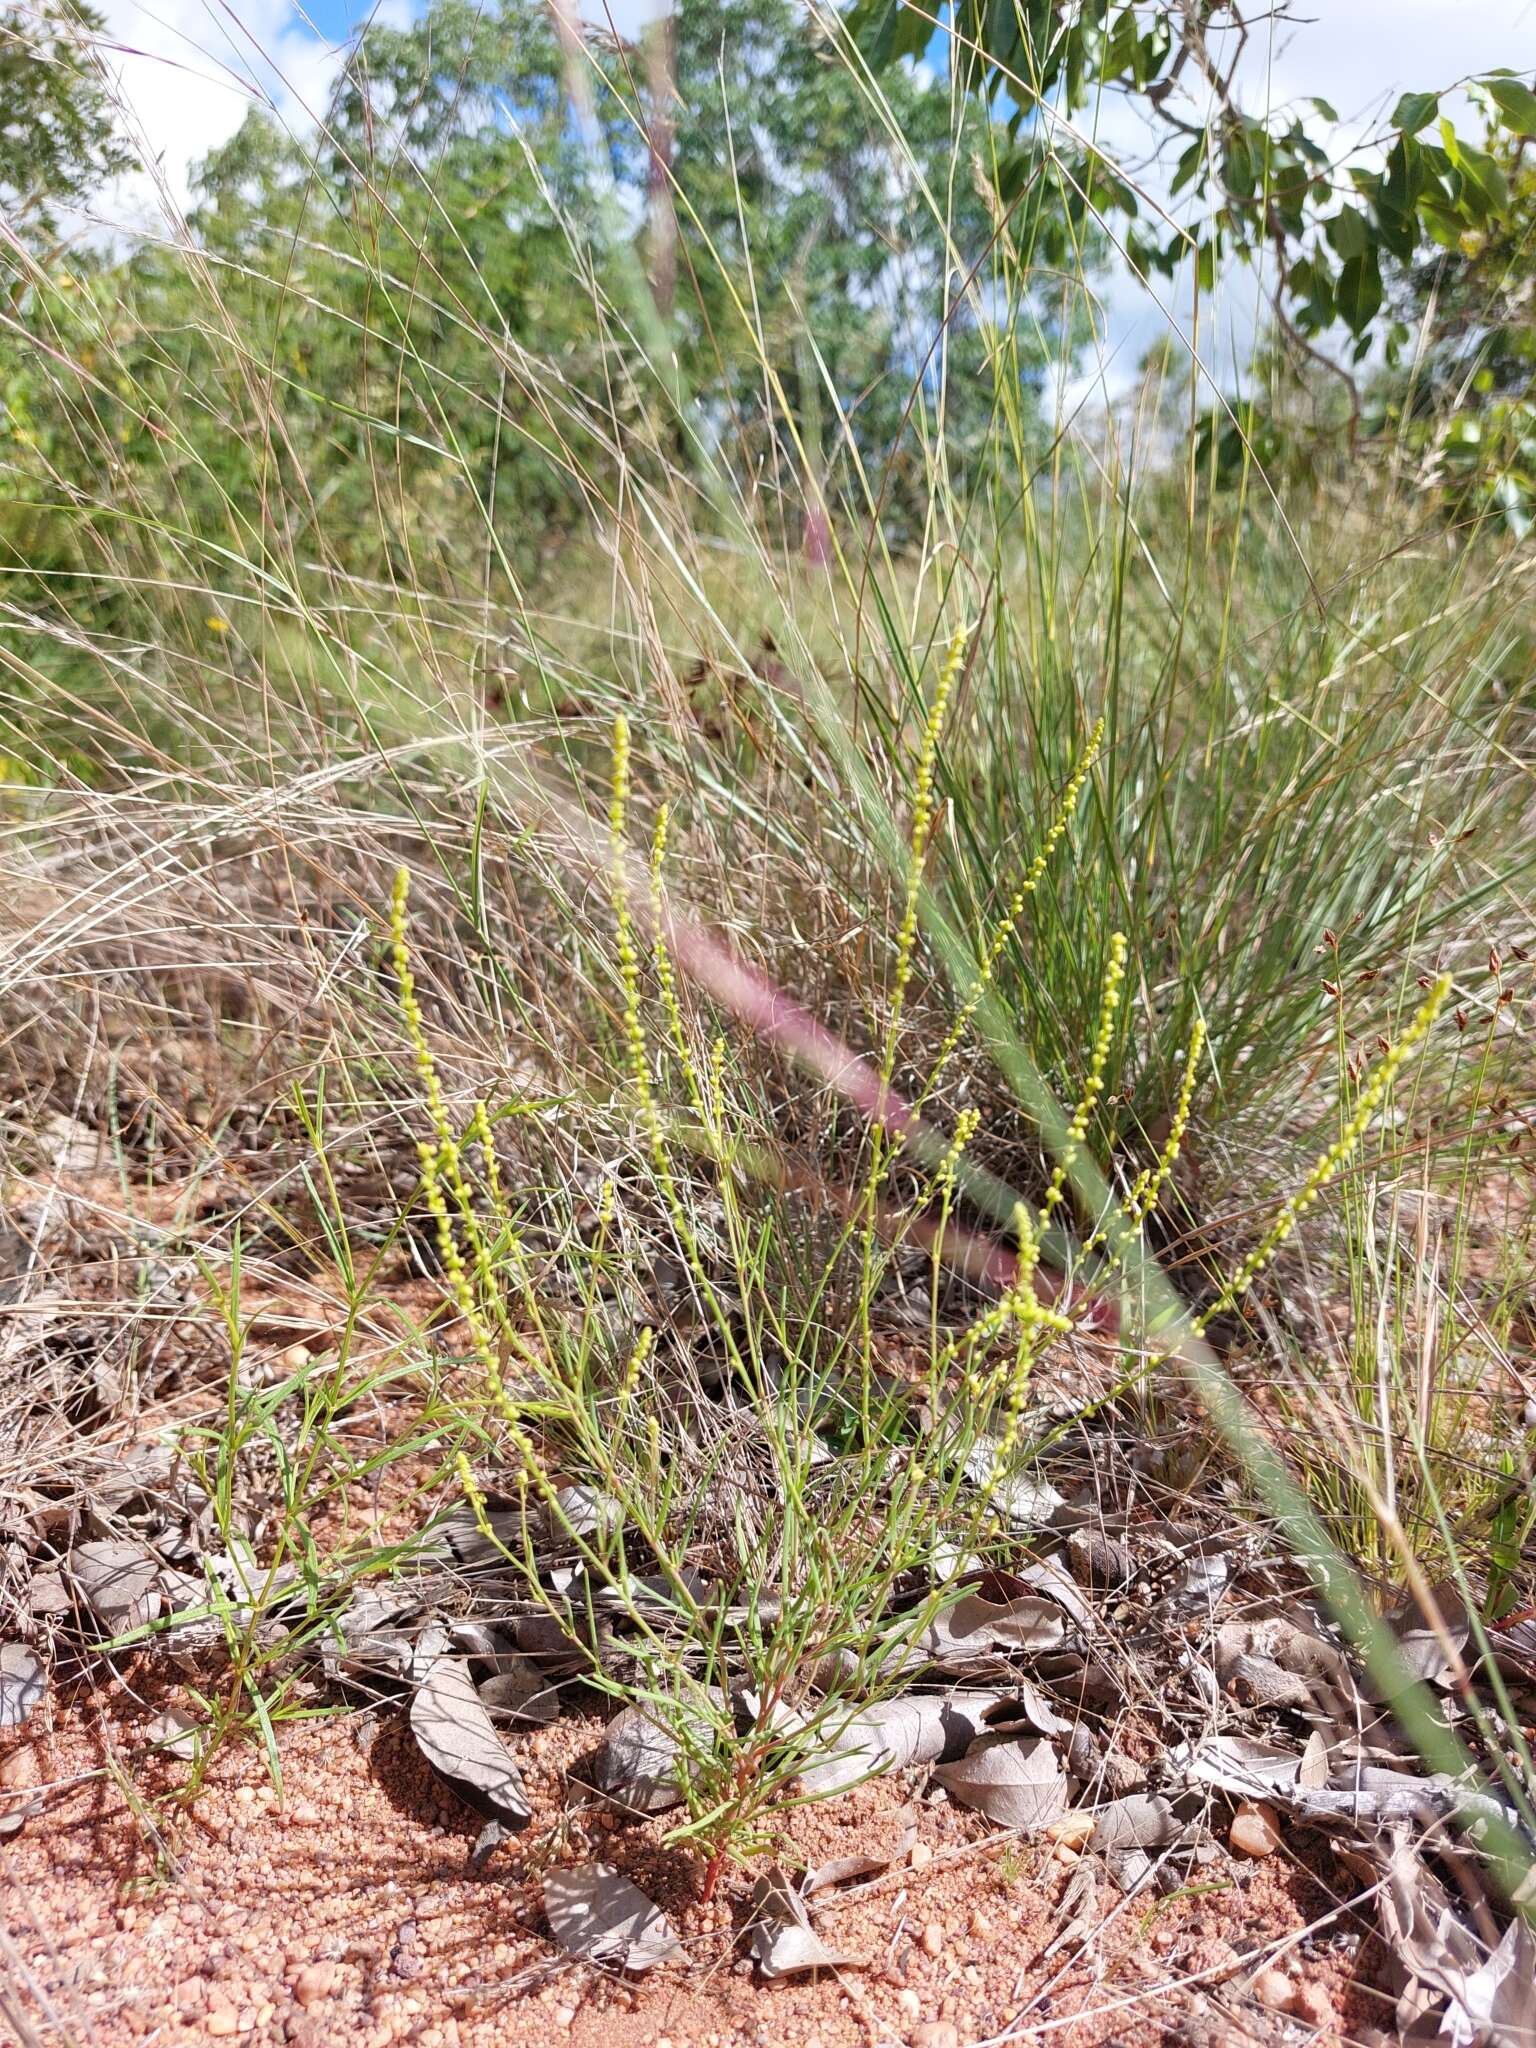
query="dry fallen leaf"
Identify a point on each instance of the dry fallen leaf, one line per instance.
(118, 1581)
(920, 1728)
(598, 1915)
(455, 1735)
(1255, 1653)
(1139, 1821)
(23, 1682)
(1431, 1646)
(1497, 2003)
(1131, 1869)
(1434, 1952)
(839, 1869)
(782, 1937)
(977, 1635)
(177, 1732)
(1046, 1576)
(1016, 1784)
(1027, 1500)
(641, 1765)
(1239, 1764)
(518, 1694)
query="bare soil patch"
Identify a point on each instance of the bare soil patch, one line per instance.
(345, 1909)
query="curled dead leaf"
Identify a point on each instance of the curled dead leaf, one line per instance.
(454, 1733)
(597, 1914)
(782, 1938)
(1015, 1784)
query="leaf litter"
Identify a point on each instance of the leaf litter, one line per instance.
(1037, 1632)
(1015, 1784)
(987, 1679)
(23, 1684)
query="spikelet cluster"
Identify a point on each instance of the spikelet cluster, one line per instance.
(629, 1386)
(945, 1174)
(1093, 1084)
(1020, 1306)
(1328, 1163)
(447, 1195)
(1149, 1184)
(922, 824)
(633, 1021)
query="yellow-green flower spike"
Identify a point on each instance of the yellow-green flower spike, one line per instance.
(1149, 1185)
(410, 1004)
(630, 1383)
(1003, 930)
(665, 982)
(1329, 1162)
(922, 823)
(1093, 1084)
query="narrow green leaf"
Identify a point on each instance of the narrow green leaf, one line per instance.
(1404, 179)
(1485, 189)
(1188, 165)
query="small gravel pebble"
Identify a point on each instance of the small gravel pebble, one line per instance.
(1073, 1828)
(1310, 2002)
(934, 2034)
(1274, 1989)
(21, 1771)
(933, 1939)
(314, 1982)
(1255, 1829)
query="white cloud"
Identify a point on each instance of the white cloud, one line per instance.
(1360, 54)
(185, 74)
(624, 17)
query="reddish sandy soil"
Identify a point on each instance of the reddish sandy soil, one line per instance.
(345, 1911)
